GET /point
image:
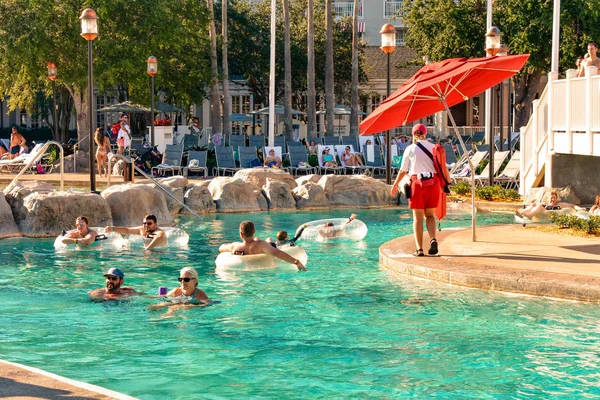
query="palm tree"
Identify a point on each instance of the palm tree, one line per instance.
(329, 95)
(310, 90)
(215, 97)
(287, 103)
(226, 105)
(354, 111)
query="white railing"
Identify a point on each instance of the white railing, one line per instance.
(345, 8)
(392, 8)
(565, 120)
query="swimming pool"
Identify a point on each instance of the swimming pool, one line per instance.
(345, 329)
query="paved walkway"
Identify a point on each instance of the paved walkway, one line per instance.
(506, 258)
(22, 382)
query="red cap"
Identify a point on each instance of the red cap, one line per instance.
(419, 130)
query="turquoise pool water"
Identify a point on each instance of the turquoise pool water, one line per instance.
(345, 329)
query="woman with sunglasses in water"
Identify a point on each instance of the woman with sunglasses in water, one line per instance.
(187, 293)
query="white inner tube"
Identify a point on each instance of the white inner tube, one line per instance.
(341, 229)
(253, 262)
(113, 241)
(176, 237)
(545, 217)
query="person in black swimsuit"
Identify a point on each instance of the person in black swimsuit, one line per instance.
(553, 205)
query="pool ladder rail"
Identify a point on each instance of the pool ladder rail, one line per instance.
(37, 157)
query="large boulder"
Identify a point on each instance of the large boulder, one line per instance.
(8, 227)
(176, 186)
(47, 214)
(308, 178)
(356, 191)
(310, 195)
(16, 195)
(235, 195)
(542, 194)
(130, 203)
(279, 195)
(198, 197)
(258, 176)
(80, 165)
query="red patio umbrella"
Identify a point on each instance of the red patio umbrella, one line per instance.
(439, 86)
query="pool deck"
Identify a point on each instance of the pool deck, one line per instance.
(506, 258)
(22, 382)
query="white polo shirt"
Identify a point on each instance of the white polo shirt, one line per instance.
(415, 161)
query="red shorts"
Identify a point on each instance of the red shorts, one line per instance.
(424, 197)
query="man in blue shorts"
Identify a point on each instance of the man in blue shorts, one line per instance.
(16, 142)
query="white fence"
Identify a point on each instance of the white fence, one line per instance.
(566, 120)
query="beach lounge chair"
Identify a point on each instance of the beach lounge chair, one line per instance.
(394, 154)
(171, 160)
(339, 149)
(352, 141)
(322, 168)
(331, 140)
(248, 157)
(278, 153)
(484, 177)
(225, 161)
(509, 177)
(279, 141)
(298, 154)
(257, 141)
(482, 147)
(317, 140)
(236, 141)
(189, 142)
(22, 160)
(363, 142)
(200, 166)
(463, 171)
(451, 159)
(478, 137)
(373, 159)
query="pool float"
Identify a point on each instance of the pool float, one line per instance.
(104, 240)
(253, 262)
(176, 237)
(545, 217)
(341, 229)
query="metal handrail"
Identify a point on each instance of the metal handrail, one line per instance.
(37, 157)
(136, 168)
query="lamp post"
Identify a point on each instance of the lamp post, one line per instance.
(152, 70)
(388, 45)
(492, 47)
(52, 75)
(89, 31)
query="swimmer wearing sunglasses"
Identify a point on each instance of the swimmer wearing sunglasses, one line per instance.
(154, 237)
(187, 293)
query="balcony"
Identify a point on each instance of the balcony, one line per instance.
(392, 9)
(344, 8)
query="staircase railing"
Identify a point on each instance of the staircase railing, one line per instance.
(38, 156)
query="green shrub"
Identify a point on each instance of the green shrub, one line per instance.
(590, 226)
(462, 188)
(488, 193)
(313, 160)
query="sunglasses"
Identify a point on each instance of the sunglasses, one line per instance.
(113, 278)
(186, 280)
(147, 223)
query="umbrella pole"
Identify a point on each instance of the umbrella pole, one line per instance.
(462, 144)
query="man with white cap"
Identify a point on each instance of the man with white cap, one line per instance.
(113, 289)
(424, 187)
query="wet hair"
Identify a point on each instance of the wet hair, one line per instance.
(191, 270)
(247, 229)
(84, 219)
(329, 224)
(282, 235)
(150, 217)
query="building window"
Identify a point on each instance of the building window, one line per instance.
(245, 104)
(400, 32)
(392, 9)
(345, 8)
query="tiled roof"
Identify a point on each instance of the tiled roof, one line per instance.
(404, 63)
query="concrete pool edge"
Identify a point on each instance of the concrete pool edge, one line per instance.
(506, 258)
(22, 380)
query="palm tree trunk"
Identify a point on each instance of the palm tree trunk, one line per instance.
(329, 87)
(226, 100)
(354, 111)
(215, 97)
(287, 103)
(310, 90)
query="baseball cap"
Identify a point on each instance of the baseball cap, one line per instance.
(115, 272)
(419, 130)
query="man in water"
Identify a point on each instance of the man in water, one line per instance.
(152, 234)
(251, 245)
(114, 288)
(330, 231)
(83, 235)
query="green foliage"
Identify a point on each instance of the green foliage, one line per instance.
(590, 226)
(488, 193)
(313, 160)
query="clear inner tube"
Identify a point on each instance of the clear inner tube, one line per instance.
(324, 230)
(229, 261)
(104, 240)
(176, 237)
(545, 217)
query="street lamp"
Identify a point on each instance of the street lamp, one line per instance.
(152, 70)
(89, 31)
(493, 46)
(52, 75)
(388, 45)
